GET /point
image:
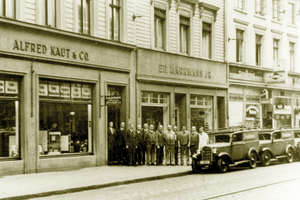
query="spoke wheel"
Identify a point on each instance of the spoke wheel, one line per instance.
(195, 167)
(252, 160)
(265, 158)
(290, 155)
(222, 165)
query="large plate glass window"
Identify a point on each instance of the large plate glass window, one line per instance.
(9, 116)
(65, 117)
(201, 111)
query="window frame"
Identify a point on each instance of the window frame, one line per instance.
(210, 42)
(239, 45)
(182, 28)
(240, 4)
(113, 8)
(292, 56)
(258, 50)
(81, 27)
(278, 10)
(163, 28)
(5, 9)
(276, 49)
(291, 13)
(261, 7)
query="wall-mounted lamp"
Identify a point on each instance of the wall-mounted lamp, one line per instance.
(135, 16)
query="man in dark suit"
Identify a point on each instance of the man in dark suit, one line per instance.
(111, 136)
(144, 151)
(120, 143)
(159, 145)
(141, 145)
(131, 145)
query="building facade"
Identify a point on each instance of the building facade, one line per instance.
(262, 47)
(69, 67)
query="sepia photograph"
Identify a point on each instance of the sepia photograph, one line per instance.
(149, 99)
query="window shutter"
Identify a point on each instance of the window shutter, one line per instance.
(263, 7)
(281, 9)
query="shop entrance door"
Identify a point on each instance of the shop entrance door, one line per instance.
(177, 117)
(155, 116)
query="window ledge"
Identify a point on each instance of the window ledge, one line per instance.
(276, 21)
(292, 26)
(259, 16)
(241, 11)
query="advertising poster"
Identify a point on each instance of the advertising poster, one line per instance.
(76, 91)
(65, 90)
(43, 89)
(86, 92)
(53, 89)
(11, 87)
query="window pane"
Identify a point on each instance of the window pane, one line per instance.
(116, 24)
(206, 40)
(114, 18)
(51, 12)
(79, 16)
(153, 97)
(10, 8)
(86, 14)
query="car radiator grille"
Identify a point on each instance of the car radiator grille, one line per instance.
(206, 153)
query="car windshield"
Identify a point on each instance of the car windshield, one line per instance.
(222, 138)
(264, 136)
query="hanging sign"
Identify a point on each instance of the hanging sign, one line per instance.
(1, 87)
(76, 90)
(65, 90)
(11, 87)
(86, 92)
(43, 89)
(113, 99)
(53, 89)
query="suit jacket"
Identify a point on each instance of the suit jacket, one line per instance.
(194, 139)
(120, 140)
(183, 138)
(150, 138)
(131, 138)
(140, 139)
(160, 139)
(111, 137)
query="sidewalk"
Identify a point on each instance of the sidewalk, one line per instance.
(49, 183)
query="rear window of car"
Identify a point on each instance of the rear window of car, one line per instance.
(264, 136)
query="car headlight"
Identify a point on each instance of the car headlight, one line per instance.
(214, 151)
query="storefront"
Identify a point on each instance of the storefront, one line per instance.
(53, 95)
(180, 90)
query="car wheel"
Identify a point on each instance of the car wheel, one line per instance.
(195, 167)
(265, 158)
(222, 165)
(290, 155)
(252, 160)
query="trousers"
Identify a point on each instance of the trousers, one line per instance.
(159, 155)
(170, 154)
(184, 153)
(131, 156)
(150, 154)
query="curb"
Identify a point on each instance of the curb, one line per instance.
(94, 187)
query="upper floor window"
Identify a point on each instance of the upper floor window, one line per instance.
(184, 32)
(8, 8)
(292, 56)
(206, 40)
(159, 28)
(49, 10)
(261, 7)
(275, 49)
(83, 16)
(278, 10)
(239, 45)
(114, 17)
(258, 49)
(291, 13)
(239, 4)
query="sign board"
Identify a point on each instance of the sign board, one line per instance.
(11, 87)
(113, 100)
(275, 77)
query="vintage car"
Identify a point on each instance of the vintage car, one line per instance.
(297, 144)
(229, 148)
(276, 145)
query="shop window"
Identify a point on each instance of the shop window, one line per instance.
(154, 98)
(201, 111)
(184, 32)
(200, 100)
(239, 45)
(261, 7)
(9, 117)
(159, 28)
(206, 40)
(252, 116)
(65, 113)
(282, 112)
(8, 8)
(114, 17)
(83, 16)
(48, 9)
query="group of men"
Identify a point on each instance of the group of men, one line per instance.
(147, 146)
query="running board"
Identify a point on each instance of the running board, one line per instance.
(238, 163)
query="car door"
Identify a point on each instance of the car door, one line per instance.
(277, 143)
(238, 150)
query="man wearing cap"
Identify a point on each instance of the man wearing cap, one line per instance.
(159, 145)
(140, 153)
(183, 141)
(150, 142)
(194, 141)
(170, 139)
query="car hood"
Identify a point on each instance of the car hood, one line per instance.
(217, 145)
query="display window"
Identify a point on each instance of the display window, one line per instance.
(297, 112)
(201, 110)
(65, 112)
(282, 112)
(236, 109)
(9, 116)
(252, 116)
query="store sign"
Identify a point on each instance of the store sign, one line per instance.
(246, 74)
(11, 87)
(86, 92)
(1, 87)
(236, 97)
(53, 89)
(76, 90)
(184, 71)
(275, 77)
(252, 110)
(53, 51)
(43, 89)
(112, 100)
(65, 90)
(252, 98)
(282, 109)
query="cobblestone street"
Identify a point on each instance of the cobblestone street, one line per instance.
(278, 181)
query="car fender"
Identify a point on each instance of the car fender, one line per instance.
(251, 150)
(227, 156)
(287, 148)
(269, 150)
